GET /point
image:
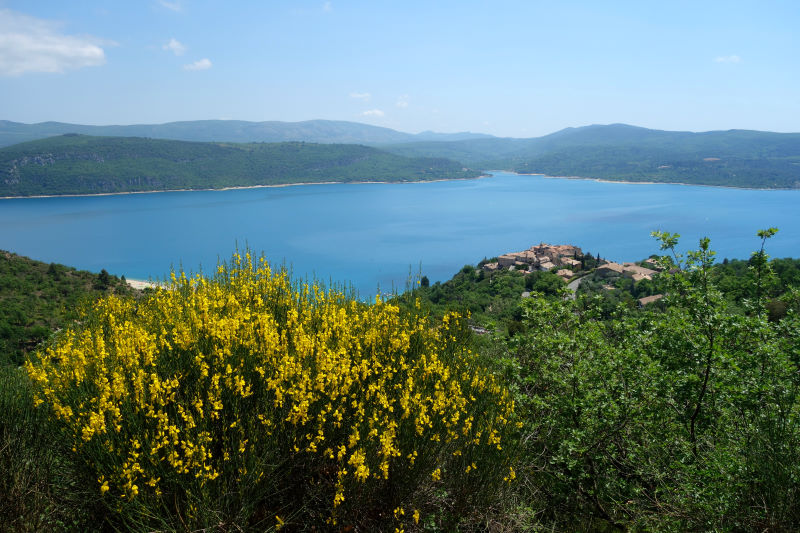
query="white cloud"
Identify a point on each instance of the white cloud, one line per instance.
(202, 64)
(373, 113)
(360, 96)
(728, 59)
(402, 101)
(327, 7)
(173, 6)
(175, 46)
(29, 44)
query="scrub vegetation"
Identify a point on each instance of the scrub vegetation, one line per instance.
(244, 400)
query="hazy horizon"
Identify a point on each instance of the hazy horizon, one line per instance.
(379, 126)
(509, 69)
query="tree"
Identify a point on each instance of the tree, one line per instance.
(759, 264)
(103, 280)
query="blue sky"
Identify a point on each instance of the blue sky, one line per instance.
(509, 68)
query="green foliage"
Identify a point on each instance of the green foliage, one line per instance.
(41, 488)
(760, 265)
(489, 297)
(77, 164)
(759, 281)
(38, 298)
(682, 418)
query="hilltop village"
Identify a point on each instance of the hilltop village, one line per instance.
(570, 264)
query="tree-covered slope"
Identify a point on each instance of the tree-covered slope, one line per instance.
(38, 298)
(735, 158)
(77, 164)
(479, 153)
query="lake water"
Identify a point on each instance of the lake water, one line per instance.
(377, 234)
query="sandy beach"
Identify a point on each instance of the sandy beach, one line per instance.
(601, 180)
(275, 185)
(141, 284)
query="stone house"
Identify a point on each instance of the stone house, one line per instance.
(565, 274)
(609, 269)
(632, 270)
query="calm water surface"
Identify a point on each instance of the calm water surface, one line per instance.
(377, 234)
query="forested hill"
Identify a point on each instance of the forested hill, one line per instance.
(78, 164)
(735, 158)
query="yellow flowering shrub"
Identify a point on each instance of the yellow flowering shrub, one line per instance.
(243, 394)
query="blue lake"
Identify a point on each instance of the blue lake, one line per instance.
(378, 234)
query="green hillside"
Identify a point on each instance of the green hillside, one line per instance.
(634, 163)
(474, 152)
(735, 158)
(78, 164)
(38, 298)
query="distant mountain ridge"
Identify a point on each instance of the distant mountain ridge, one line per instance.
(727, 143)
(733, 158)
(315, 131)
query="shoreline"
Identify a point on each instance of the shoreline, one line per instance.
(487, 174)
(242, 187)
(141, 284)
(626, 182)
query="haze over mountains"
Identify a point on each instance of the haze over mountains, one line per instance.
(733, 158)
(738, 158)
(316, 131)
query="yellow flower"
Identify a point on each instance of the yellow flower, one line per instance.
(171, 384)
(511, 475)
